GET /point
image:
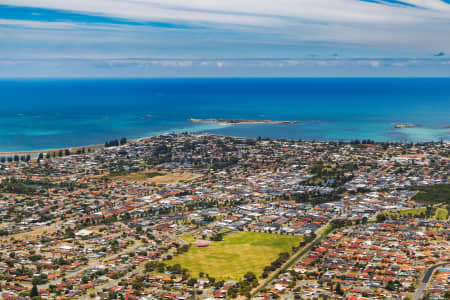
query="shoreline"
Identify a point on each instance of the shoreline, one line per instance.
(98, 146)
(74, 149)
(55, 150)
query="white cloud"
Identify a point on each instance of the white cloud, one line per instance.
(371, 63)
(404, 63)
(37, 24)
(286, 22)
(374, 63)
(268, 63)
(236, 68)
(148, 11)
(252, 12)
(57, 25)
(172, 63)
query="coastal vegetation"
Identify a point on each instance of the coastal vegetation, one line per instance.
(362, 142)
(15, 158)
(48, 154)
(236, 255)
(115, 143)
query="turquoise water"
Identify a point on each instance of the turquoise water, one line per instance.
(43, 114)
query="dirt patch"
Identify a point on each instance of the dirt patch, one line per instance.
(36, 232)
(158, 177)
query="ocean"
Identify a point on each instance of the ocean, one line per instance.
(38, 114)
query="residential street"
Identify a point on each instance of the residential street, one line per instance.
(423, 285)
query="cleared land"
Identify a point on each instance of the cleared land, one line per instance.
(236, 255)
(36, 232)
(157, 177)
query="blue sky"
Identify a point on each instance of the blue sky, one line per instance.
(181, 38)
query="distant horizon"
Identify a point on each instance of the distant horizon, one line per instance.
(226, 68)
(223, 77)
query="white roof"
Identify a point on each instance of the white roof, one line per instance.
(83, 232)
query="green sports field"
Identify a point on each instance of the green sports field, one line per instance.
(441, 214)
(236, 255)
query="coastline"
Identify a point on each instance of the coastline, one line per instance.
(76, 148)
(97, 146)
(54, 150)
(34, 153)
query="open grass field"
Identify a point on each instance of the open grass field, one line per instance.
(188, 238)
(441, 214)
(236, 255)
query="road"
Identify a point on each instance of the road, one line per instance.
(138, 270)
(423, 285)
(176, 238)
(115, 282)
(92, 264)
(294, 258)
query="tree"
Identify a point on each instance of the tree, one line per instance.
(393, 285)
(34, 291)
(381, 218)
(250, 276)
(192, 282)
(339, 290)
(217, 237)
